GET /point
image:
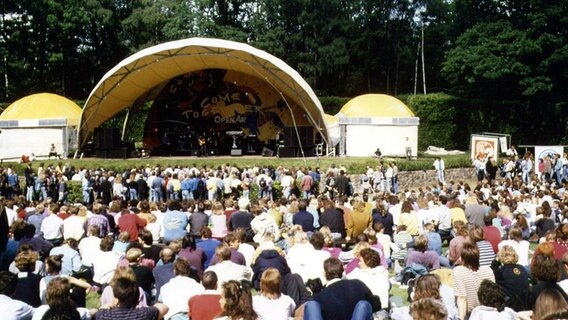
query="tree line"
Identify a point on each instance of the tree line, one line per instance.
(501, 65)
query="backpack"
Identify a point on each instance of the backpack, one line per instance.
(262, 183)
(331, 182)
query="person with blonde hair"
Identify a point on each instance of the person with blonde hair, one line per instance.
(271, 303)
(513, 277)
(304, 259)
(218, 221)
(422, 255)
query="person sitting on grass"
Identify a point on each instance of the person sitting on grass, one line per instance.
(126, 292)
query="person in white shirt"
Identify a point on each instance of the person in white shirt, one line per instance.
(262, 224)
(304, 259)
(375, 276)
(516, 242)
(176, 293)
(226, 269)
(286, 183)
(90, 246)
(74, 226)
(440, 166)
(271, 303)
(52, 225)
(12, 309)
(105, 262)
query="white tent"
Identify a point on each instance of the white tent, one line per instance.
(374, 121)
(33, 123)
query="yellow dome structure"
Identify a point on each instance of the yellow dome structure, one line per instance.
(377, 121)
(376, 105)
(39, 124)
(43, 106)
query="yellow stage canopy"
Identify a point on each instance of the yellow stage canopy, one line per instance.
(375, 105)
(43, 106)
(140, 76)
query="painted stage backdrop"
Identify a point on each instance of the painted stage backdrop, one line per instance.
(209, 103)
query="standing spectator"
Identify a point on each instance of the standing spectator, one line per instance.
(440, 166)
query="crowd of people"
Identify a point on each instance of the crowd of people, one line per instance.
(222, 243)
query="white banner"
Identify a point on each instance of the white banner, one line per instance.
(540, 152)
(503, 144)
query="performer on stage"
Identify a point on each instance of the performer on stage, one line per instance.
(202, 141)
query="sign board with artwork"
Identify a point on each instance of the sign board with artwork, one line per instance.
(484, 146)
(540, 152)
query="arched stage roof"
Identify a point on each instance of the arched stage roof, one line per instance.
(138, 77)
(375, 105)
(43, 106)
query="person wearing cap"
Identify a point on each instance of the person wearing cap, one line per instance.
(144, 276)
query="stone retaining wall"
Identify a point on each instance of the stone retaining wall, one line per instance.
(422, 178)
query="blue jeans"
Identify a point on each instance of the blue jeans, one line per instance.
(363, 311)
(186, 195)
(133, 194)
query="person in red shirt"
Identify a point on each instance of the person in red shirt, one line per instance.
(491, 233)
(130, 223)
(206, 306)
